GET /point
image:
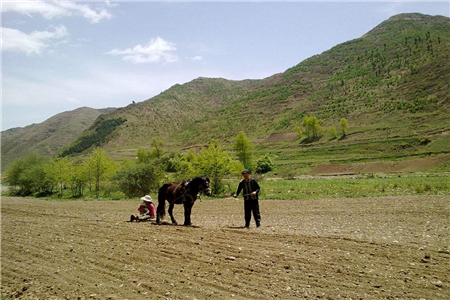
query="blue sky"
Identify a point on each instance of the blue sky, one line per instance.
(58, 56)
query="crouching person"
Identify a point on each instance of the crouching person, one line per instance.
(146, 210)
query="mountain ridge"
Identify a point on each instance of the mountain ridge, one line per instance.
(390, 81)
(49, 137)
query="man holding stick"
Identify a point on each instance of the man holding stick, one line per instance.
(250, 189)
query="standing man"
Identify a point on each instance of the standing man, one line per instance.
(250, 189)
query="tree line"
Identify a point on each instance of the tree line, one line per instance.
(312, 128)
(98, 175)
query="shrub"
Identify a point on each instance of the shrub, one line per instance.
(264, 164)
(138, 179)
(27, 176)
(424, 140)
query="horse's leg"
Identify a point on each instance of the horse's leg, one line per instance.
(161, 210)
(187, 212)
(171, 205)
(159, 213)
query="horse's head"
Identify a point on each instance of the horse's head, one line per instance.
(205, 185)
(199, 183)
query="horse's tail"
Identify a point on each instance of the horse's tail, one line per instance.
(161, 210)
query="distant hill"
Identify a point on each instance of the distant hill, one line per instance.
(394, 78)
(391, 81)
(162, 116)
(48, 137)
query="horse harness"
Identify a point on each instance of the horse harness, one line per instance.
(182, 192)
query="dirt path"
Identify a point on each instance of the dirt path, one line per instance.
(368, 248)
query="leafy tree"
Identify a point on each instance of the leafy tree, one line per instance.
(136, 179)
(343, 123)
(264, 164)
(333, 132)
(78, 179)
(313, 130)
(299, 130)
(14, 174)
(27, 175)
(144, 155)
(170, 162)
(243, 148)
(59, 172)
(100, 168)
(215, 163)
(186, 166)
(157, 151)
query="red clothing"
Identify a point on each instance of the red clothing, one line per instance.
(147, 208)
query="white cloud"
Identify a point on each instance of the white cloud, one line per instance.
(47, 10)
(85, 11)
(197, 57)
(56, 9)
(17, 41)
(109, 4)
(157, 50)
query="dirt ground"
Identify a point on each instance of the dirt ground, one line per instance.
(382, 166)
(367, 248)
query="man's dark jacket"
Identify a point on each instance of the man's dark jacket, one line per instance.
(248, 188)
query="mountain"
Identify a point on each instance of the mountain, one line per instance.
(48, 137)
(393, 78)
(161, 116)
(391, 81)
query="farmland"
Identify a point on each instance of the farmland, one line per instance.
(393, 247)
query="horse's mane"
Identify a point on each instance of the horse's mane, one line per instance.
(196, 178)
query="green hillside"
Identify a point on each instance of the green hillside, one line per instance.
(165, 114)
(48, 137)
(390, 84)
(393, 78)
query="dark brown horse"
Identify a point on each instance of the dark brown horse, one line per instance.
(184, 193)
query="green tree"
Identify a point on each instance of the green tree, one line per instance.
(59, 172)
(137, 179)
(157, 145)
(333, 132)
(170, 161)
(27, 175)
(186, 166)
(343, 123)
(100, 168)
(14, 175)
(299, 130)
(215, 163)
(243, 148)
(79, 178)
(144, 156)
(312, 127)
(264, 164)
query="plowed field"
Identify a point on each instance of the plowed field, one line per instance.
(367, 248)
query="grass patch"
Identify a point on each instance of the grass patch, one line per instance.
(369, 186)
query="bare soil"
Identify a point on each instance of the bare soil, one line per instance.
(366, 248)
(282, 136)
(382, 166)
